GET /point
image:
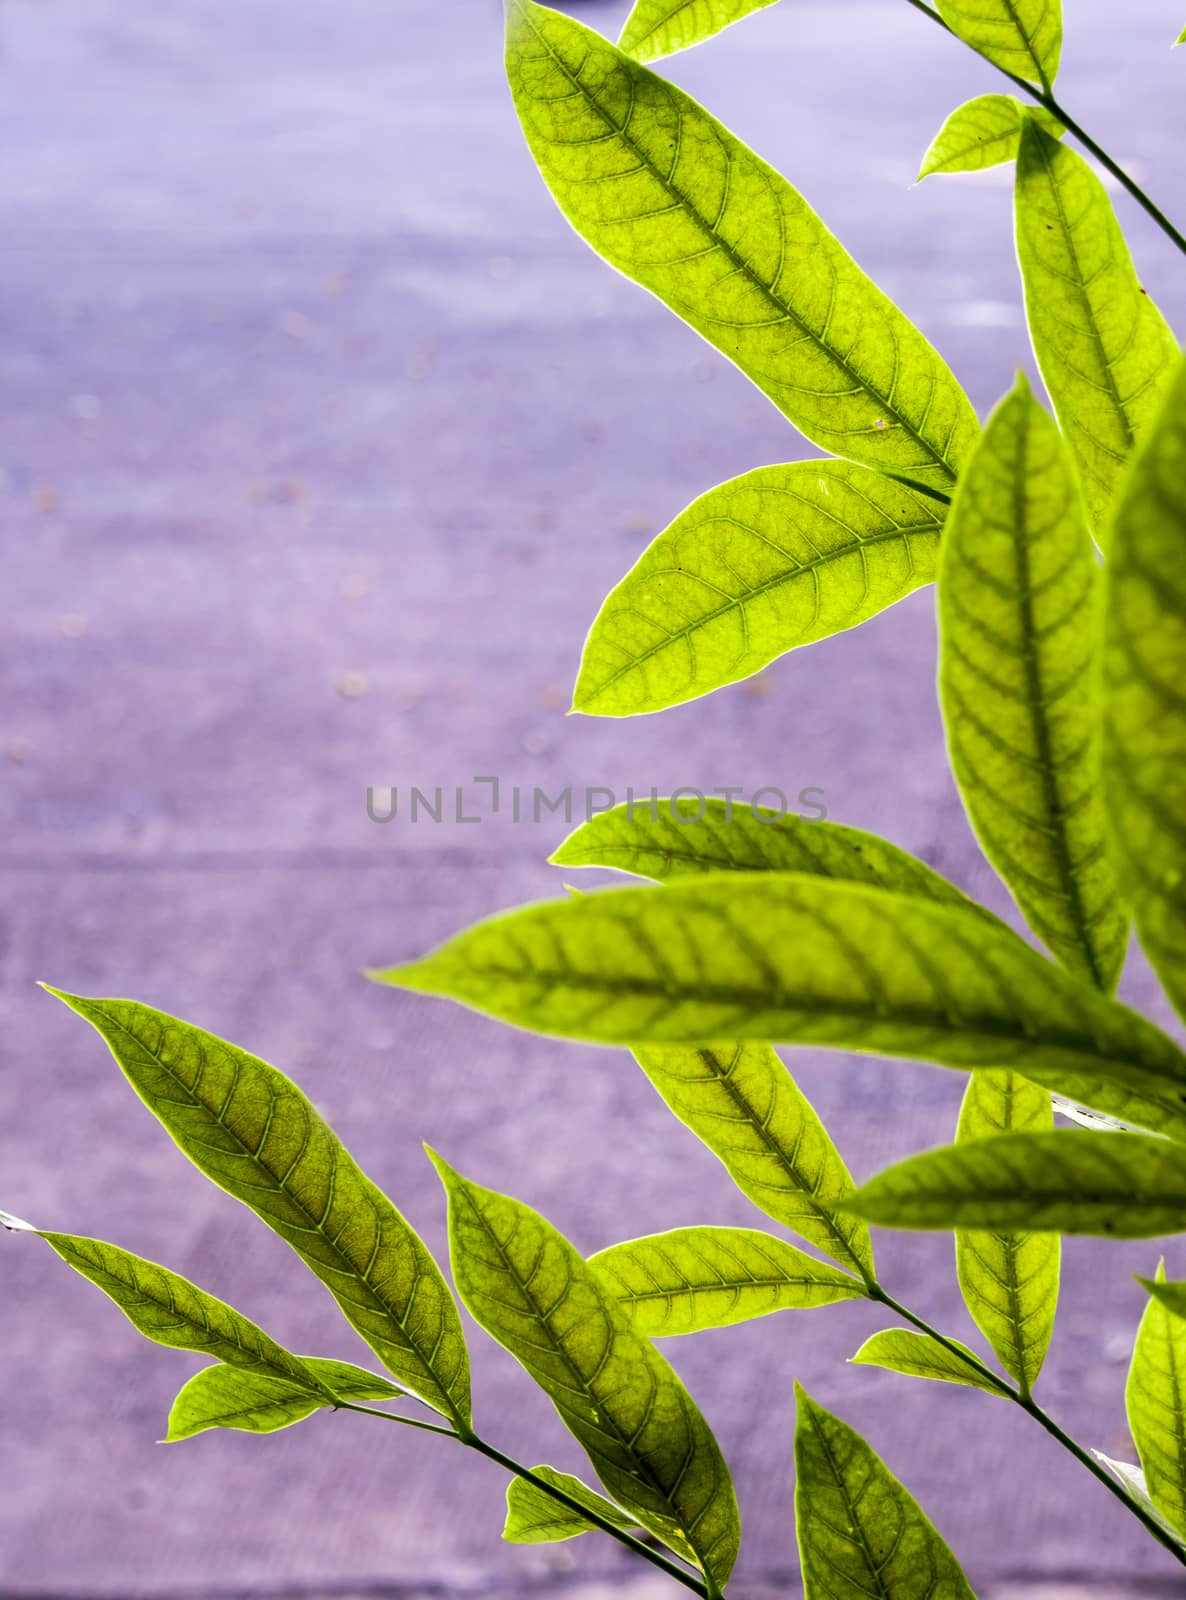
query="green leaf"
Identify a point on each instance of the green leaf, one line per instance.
(534, 1517)
(1171, 1295)
(1181, 39)
(673, 200)
(170, 1310)
(1145, 692)
(983, 132)
(256, 1402)
(1127, 1186)
(860, 1533)
(917, 1355)
(696, 1278)
(1018, 609)
(723, 836)
(649, 1445)
(1009, 1281)
(1102, 345)
(741, 1101)
(1133, 1480)
(254, 1134)
(1155, 1399)
(783, 956)
(658, 28)
(778, 558)
(1020, 36)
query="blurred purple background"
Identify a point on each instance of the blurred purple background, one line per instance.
(323, 439)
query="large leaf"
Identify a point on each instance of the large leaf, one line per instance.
(674, 201)
(1023, 37)
(784, 956)
(535, 1517)
(1145, 692)
(696, 1278)
(648, 1442)
(1124, 1186)
(256, 1402)
(1155, 1399)
(1009, 1281)
(741, 1101)
(918, 1355)
(1102, 345)
(981, 133)
(1018, 608)
(778, 558)
(254, 1134)
(661, 27)
(679, 837)
(167, 1308)
(860, 1533)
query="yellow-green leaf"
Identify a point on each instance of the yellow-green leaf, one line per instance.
(696, 1278)
(1019, 684)
(1009, 1280)
(1103, 347)
(254, 1134)
(676, 202)
(536, 1517)
(1171, 1295)
(1155, 1399)
(917, 1355)
(257, 1402)
(647, 1441)
(983, 132)
(1021, 36)
(1145, 691)
(778, 558)
(657, 28)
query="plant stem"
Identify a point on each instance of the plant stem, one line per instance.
(1030, 1405)
(707, 1590)
(1045, 97)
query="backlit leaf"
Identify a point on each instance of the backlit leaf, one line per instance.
(1145, 692)
(534, 1517)
(860, 1533)
(783, 956)
(256, 1402)
(775, 559)
(1018, 607)
(741, 1101)
(1171, 1295)
(1133, 1480)
(1009, 1281)
(1102, 345)
(1155, 1399)
(1022, 36)
(696, 1278)
(917, 1355)
(676, 202)
(252, 1132)
(649, 1445)
(1127, 1186)
(661, 27)
(983, 132)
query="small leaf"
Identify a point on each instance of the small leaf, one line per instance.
(255, 1402)
(1102, 345)
(1019, 36)
(1145, 692)
(679, 837)
(809, 961)
(1181, 39)
(778, 558)
(860, 1533)
(696, 1278)
(653, 1451)
(1133, 1480)
(254, 1134)
(741, 1101)
(1155, 1399)
(534, 1517)
(167, 1308)
(1171, 1295)
(983, 132)
(673, 200)
(1018, 608)
(1129, 1186)
(658, 28)
(917, 1355)
(1009, 1281)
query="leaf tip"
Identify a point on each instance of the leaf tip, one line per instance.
(13, 1224)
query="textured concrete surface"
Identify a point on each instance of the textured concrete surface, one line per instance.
(323, 439)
